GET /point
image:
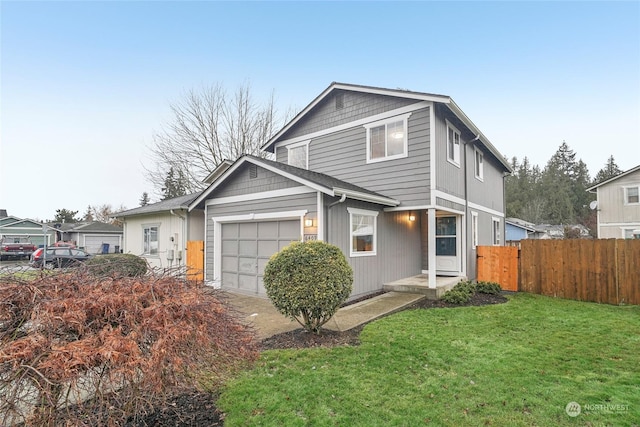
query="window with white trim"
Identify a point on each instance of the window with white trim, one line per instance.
(495, 231)
(363, 232)
(150, 240)
(298, 155)
(631, 195)
(479, 164)
(453, 144)
(474, 229)
(387, 139)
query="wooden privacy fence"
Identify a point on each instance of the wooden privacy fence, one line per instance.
(602, 270)
(195, 260)
(498, 264)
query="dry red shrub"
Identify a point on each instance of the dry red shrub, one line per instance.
(73, 345)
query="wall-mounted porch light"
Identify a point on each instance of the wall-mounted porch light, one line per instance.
(308, 222)
(412, 217)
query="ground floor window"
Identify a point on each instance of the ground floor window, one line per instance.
(150, 240)
(495, 233)
(362, 225)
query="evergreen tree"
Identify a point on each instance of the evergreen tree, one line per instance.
(65, 216)
(175, 184)
(609, 170)
(88, 215)
(144, 200)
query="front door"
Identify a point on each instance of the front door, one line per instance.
(448, 245)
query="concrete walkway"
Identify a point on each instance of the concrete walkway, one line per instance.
(267, 321)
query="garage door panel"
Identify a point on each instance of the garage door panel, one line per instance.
(261, 289)
(266, 248)
(248, 247)
(289, 230)
(248, 282)
(247, 265)
(229, 247)
(229, 263)
(268, 230)
(230, 280)
(284, 243)
(229, 231)
(262, 263)
(248, 229)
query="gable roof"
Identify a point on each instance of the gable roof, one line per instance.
(180, 202)
(23, 223)
(520, 223)
(630, 171)
(88, 227)
(401, 93)
(318, 181)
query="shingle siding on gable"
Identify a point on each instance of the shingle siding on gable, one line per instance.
(242, 183)
(356, 106)
(343, 156)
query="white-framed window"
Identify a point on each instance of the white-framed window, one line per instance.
(363, 232)
(474, 229)
(150, 240)
(479, 164)
(453, 144)
(495, 231)
(298, 154)
(632, 195)
(387, 139)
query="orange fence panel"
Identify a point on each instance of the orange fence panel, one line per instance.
(195, 260)
(498, 264)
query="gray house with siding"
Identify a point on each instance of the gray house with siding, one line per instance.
(403, 182)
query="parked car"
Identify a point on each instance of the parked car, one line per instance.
(58, 257)
(18, 247)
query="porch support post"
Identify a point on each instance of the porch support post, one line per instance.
(431, 238)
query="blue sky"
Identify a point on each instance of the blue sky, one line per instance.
(85, 84)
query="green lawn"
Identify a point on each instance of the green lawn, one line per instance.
(513, 364)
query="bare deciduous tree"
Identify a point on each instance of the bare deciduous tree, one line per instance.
(209, 126)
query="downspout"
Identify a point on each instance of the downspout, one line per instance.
(342, 199)
(466, 200)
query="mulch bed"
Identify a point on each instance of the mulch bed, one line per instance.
(198, 409)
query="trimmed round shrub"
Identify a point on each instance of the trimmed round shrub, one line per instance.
(117, 265)
(308, 281)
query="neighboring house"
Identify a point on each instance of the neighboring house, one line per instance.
(517, 229)
(94, 237)
(618, 205)
(159, 231)
(36, 232)
(559, 231)
(403, 182)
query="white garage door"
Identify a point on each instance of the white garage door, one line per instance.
(247, 246)
(93, 244)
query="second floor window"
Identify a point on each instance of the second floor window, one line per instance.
(631, 195)
(453, 145)
(150, 240)
(387, 139)
(479, 165)
(298, 155)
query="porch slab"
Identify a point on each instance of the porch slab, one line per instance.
(420, 285)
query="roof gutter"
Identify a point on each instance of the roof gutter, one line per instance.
(365, 197)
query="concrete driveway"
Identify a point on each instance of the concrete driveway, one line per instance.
(267, 321)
